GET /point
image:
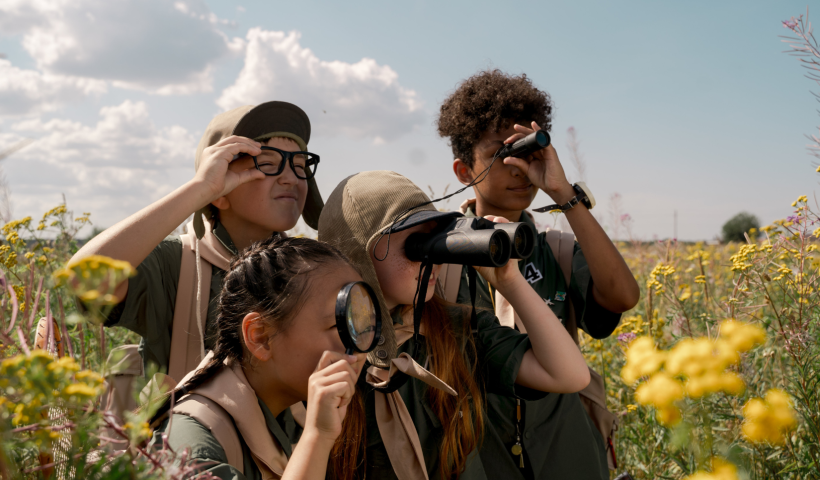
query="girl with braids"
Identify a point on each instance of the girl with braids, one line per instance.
(425, 415)
(276, 344)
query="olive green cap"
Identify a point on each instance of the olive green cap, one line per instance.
(260, 122)
(358, 211)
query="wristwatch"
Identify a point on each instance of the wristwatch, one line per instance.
(582, 195)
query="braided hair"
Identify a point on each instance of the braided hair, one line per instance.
(270, 277)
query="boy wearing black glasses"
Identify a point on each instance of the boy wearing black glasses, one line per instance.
(253, 177)
(552, 437)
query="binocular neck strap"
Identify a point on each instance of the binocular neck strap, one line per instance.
(425, 271)
(472, 279)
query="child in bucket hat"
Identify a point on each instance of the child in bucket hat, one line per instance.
(430, 425)
(236, 199)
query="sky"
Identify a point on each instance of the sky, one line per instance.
(684, 110)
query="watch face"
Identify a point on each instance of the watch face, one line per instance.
(588, 193)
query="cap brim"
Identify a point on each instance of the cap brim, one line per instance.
(418, 218)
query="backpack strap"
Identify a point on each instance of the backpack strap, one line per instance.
(218, 421)
(562, 245)
(187, 337)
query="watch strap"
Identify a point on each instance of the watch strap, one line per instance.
(578, 198)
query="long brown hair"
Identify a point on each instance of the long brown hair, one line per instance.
(453, 359)
(271, 278)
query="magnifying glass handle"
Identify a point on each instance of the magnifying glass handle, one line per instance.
(349, 351)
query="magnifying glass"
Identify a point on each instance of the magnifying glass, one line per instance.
(358, 317)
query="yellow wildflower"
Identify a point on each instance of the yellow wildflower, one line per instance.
(660, 390)
(80, 389)
(641, 359)
(768, 420)
(721, 470)
(742, 336)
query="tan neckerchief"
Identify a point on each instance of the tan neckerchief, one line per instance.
(193, 289)
(399, 435)
(230, 389)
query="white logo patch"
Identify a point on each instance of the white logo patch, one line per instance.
(532, 274)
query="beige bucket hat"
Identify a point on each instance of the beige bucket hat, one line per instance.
(260, 122)
(360, 210)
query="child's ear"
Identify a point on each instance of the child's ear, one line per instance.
(256, 336)
(221, 203)
(462, 171)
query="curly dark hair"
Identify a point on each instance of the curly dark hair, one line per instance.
(490, 101)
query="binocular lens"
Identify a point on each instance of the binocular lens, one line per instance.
(497, 250)
(522, 236)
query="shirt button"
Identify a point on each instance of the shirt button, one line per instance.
(381, 340)
(527, 435)
(382, 354)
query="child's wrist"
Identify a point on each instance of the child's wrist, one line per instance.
(316, 439)
(201, 191)
(562, 194)
(508, 286)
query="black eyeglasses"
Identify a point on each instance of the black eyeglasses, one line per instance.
(272, 161)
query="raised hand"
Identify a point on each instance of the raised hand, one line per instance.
(543, 169)
(500, 277)
(330, 390)
(220, 173)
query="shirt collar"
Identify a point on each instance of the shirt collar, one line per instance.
(221, 234)
(526, 216)
(275, 428)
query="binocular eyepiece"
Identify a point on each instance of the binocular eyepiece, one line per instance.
(472, 241)
(527, 145)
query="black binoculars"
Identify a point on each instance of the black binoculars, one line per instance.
(525, 146)
(472, 241)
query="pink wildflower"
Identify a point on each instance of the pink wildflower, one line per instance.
(791, 24)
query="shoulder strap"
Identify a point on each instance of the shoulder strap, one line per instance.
(187, 336)
(562, 245)
(217, 420)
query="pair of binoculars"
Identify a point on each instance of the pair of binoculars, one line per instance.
(472, 241)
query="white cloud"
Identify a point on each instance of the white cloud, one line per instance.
(25, 92)
(155, 45)
(112, 169)
(361, 100)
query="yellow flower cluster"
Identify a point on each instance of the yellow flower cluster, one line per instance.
(94, 278)
(721, 470)
(769, 419)
(800, 199)
(701, 362)
(15, 225)
(642, 359)
(31, 384)
(741, 261)
(660, 270)
(58, 210)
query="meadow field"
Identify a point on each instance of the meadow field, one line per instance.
(715, 374)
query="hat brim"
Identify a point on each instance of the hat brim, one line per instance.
(418, 218)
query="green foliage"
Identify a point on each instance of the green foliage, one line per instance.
(741, 223)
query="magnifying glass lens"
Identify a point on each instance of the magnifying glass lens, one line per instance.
(361, 317)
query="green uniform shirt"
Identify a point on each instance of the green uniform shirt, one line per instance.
(559, 439)
(499, 353)
(186, 432)
(148, 308)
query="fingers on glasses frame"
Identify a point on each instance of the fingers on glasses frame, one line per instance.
(272, 161)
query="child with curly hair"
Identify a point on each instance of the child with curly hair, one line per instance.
(552, 437)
